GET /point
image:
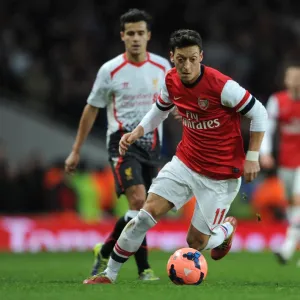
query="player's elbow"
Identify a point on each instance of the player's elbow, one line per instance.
(91, 108)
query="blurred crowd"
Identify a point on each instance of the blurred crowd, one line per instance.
(50, 52)
(37, 187)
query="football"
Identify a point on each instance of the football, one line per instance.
(187, 266)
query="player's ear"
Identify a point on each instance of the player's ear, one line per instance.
(122, 35)
(149, 35)
(201, 55)
(172, 56)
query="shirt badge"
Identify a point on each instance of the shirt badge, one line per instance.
(203, 103)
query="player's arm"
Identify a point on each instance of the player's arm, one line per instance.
(266, 158)
(98, 98)
(233, 95)
(155, 116)
(86, 123)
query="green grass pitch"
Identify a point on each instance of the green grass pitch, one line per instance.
(241, 276)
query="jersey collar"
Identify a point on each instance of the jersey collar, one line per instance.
(197, 80)
(137, 64)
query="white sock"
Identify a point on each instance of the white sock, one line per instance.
(293, 233)
(294, 215)
(229, 228)
(129, 242)
(130, 214)
(290, 244)
(219, 235)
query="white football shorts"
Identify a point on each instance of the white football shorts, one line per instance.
(178, 184)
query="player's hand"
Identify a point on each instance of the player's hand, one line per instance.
(267, 161)
(72, 162)
(129, 138)
(251, 169)
(176, 114)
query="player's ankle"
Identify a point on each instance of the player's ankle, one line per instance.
(228, 227)
(110, 274)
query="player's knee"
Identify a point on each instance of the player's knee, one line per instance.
(198, 243)
(136, 200)
(137, 203)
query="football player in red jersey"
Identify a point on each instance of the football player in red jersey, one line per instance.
(209, 160)
(284, 112)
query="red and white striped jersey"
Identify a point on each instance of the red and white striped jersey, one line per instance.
(284, 112)
(211, 143)
(128, 91)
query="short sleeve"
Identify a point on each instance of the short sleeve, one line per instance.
(100, 94)
(235, 96)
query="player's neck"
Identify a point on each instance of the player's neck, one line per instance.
(136, 58)
(196, 80)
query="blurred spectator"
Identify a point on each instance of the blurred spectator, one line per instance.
(61, 47)
(50, 52)
(269, 200)
(37, 84)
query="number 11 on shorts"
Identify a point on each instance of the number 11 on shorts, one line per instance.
(217, 219)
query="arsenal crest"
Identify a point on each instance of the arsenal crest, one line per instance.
(203, 103)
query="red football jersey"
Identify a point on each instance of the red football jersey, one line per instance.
(288, 115)
(211, 143)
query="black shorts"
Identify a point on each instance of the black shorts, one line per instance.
(129, 171)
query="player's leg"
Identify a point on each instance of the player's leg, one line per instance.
(169, 189)
(149, 172)
(291, 179)
(209, 230)
(128, 178)
(132, 237)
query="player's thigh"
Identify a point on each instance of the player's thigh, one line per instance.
(172, 183)
(287, 177)
(213, 200)
(129, 180)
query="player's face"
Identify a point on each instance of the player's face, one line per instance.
(136, 36)
(187, 62)
(292, 81)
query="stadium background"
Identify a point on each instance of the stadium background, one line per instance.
(50, 52)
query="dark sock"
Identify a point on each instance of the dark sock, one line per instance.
(141, 257)
(109, 244)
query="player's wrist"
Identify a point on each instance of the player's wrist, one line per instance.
(76, 150)
(252, 155)
(139, 131)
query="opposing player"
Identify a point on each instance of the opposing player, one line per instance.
(127, 85)
(284, 112)
(209, 160)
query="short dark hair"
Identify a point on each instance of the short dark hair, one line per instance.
(185, 37)
(135, 15)
(292, 58)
